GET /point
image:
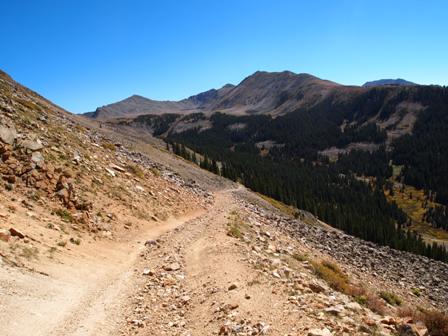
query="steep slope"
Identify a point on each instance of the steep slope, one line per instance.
(381, 82)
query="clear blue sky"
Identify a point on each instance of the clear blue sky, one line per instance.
(83, 54)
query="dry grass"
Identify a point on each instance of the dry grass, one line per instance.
(338, 280)
(287, 209)
(236, 226)
(436, 322)
(30, 252)
(390, 298)
(332, 274)
(108, 146)
(136, 170)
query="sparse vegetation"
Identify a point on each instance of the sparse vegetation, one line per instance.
(300, 257)
(64, 214)
(108, 146)
(136, 170)
(332, 274)
(390, 298)
(416, 292)
(234, 231)
(155, 171)
(75, 241)
(62, 243)
(29, 252)
(235, 226)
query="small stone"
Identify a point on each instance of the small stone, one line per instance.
(355, 306)
(5, 235)
(37, 158)
(76, 157)
(320, 332)
(147, 271)
(16, 233)
(172, 267)
(110, 172)
(185, 299)
(406, 330)
(335, 310)
(233, 286)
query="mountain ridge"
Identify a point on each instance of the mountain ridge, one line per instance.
(381, 82)
(260, 93)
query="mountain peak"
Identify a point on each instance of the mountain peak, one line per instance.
(385, 82)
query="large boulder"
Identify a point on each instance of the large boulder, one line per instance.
(7, 135)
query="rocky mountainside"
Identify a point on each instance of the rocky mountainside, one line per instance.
(260, 93)
(381, 82)
(110, 234)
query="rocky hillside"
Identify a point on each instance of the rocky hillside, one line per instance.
(109, 234)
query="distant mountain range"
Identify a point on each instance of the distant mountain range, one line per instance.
(381, 82)
(273, 93)
(263, 92)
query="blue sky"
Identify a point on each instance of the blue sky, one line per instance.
(83, 54)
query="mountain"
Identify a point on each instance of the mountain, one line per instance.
(261, 93)
(382, 82)
(275, 132)
(138, 105)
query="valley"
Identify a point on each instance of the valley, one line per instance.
(331, 131)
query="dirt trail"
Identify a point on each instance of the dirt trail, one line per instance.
(220, 271)
(82, 295)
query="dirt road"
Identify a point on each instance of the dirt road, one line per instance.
(82, 295)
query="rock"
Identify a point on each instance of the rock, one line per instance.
(37, 158)
(5, 235)
(76, 157)
(172, 267)
(7, 135)
(147, 271)
(354, 306)
(185, 299)
(151, 242)
(110, 172)
(406, 330)
(319, 332)
(233, 286)
(31, 145)
(275, 274)
(16, 233)
(138, 323)
(316, 288)
(335, 310)
(117, 168)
